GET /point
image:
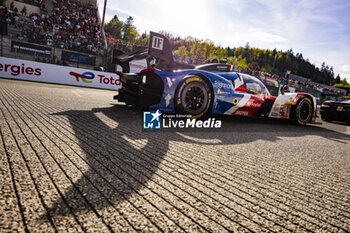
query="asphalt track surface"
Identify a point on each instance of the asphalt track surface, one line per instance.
(74, 160)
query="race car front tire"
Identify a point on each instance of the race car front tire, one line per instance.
(193, 97)
(303, 111)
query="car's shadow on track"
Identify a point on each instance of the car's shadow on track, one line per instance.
(337, 123)
(122, 158)
(237, 130)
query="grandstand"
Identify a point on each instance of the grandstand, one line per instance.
(65, 32)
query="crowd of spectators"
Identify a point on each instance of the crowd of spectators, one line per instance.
(298, 84)
(70, 25)
(125, 47)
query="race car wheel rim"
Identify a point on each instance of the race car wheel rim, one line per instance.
(194, 98)
(304, 111)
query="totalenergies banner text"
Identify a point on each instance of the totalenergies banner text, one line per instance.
(41, 72)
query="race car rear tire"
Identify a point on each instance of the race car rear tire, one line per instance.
(303, 111)
(193, 97)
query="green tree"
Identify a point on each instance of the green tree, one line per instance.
(182, 51)
(337, 79)
(241, 62)
(114, 27)
(130, 33)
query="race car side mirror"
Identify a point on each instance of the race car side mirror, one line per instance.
(284, 89)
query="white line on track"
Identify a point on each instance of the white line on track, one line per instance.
(77, 94)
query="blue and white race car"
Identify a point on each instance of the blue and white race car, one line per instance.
(212, 88)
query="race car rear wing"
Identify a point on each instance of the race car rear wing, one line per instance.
(159, 48)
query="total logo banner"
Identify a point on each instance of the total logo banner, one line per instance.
(42, 72)
(157, 120)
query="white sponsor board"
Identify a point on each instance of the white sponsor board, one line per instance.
(42, 72)
(135, 66)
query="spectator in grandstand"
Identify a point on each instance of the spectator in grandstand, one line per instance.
(24, 11)
(42, 5)
(20, 36)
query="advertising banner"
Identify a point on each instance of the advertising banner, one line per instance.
(78, 58)
(32, 49)
(42, 72)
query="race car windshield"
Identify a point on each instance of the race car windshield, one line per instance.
(254, 85)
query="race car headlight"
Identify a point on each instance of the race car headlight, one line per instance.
(144, 79)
